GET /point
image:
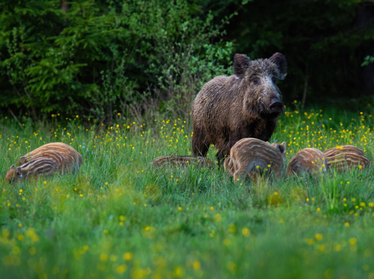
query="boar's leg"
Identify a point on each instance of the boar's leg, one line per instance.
(223, 151)
(224, 147)
(200, 146)
(270, 127)
(220, 157)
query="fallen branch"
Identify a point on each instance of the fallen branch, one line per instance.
(19, 123)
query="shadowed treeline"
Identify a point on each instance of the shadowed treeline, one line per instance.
(325, 43)
(99, 58)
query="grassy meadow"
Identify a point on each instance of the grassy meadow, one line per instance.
(119, 217)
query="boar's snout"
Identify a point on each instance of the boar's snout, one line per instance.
(275, 106)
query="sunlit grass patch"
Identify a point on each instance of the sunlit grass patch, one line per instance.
(119, 216)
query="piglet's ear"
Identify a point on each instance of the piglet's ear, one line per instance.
(22, 160)
(18, 171)
(241, 64)
(280, 60)
(282, 147)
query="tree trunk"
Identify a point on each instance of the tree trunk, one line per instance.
(65, 6)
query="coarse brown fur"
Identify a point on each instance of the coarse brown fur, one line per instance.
(307, 160)
(251, 156)
(246, 104)
(63, 154)
(346, 157)
(34, 168)
(182, 161)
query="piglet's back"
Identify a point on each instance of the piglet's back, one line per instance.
(342, 158)
(63, 154)
(250, 153)
(182, 161)
(307, 160)
(261, 153)
(39, 166)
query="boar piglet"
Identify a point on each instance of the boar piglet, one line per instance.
(182, 161)
(252, 156)
(346, 157)
(63, 154)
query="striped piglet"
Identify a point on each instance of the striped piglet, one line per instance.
(64, 155)
(345, 157)
(251, 156)
(182, 161)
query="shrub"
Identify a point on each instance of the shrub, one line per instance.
(100, 57)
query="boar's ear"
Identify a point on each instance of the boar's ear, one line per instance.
(12, 167)
(281, 62)
(241, 64)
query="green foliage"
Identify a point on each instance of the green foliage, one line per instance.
(120, 217)
(100, 58)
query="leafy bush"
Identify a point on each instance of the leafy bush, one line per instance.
(105, 57)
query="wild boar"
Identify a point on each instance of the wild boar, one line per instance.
(246, 104)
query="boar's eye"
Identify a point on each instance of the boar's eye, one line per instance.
(256, 81)
(274, 80)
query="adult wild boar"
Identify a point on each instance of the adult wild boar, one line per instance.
(246, 104)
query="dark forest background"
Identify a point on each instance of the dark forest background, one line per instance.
(100, 58)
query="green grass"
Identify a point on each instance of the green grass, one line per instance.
(119, 217)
